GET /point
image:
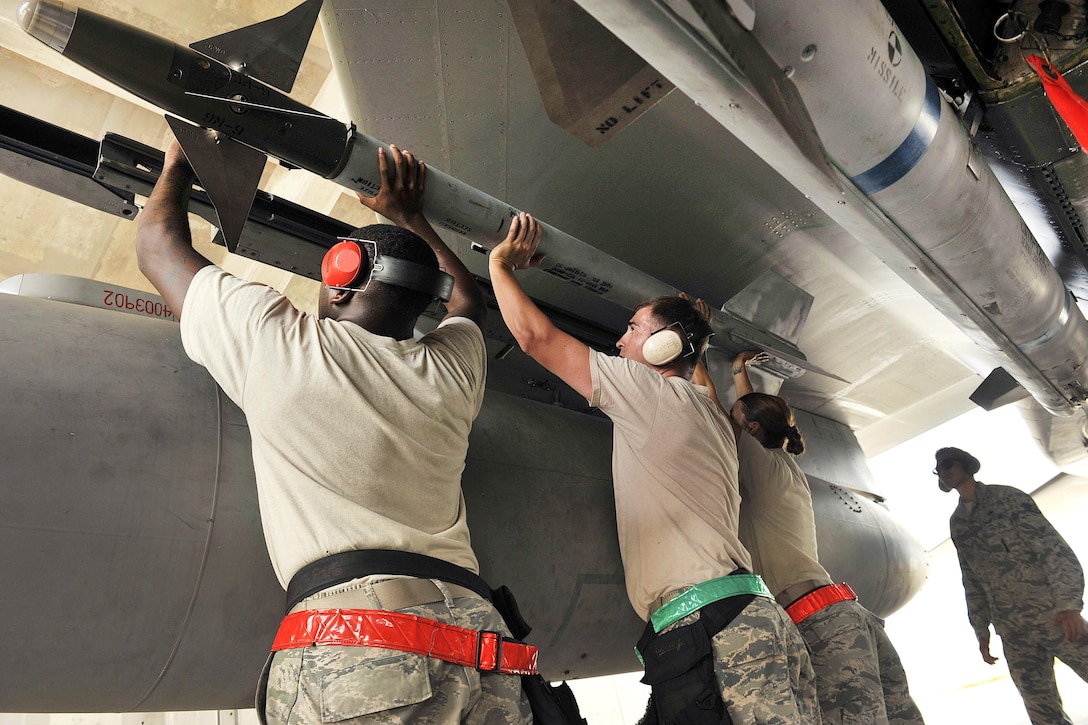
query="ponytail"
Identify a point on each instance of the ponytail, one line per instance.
(795, 443)
(776, 419)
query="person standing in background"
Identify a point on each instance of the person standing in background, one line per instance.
(1021, 576)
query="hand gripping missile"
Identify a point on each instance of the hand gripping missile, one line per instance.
(213, 84)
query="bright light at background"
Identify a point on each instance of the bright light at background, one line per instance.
(1000, 440)
(949, 680)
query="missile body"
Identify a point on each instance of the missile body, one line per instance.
(192, 86)
(213, 95)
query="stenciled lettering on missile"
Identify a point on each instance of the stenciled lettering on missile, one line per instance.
(455, 226)
(1035, 251)
(214, 50)
(132, 303)
(885, 62)
(214, 120)
(251, 85)
(580, 278)
(636, 101)
(363, 184)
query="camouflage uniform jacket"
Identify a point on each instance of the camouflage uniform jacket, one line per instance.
(1017, 569)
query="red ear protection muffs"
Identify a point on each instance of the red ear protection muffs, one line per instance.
(345, 262)
(342, 264)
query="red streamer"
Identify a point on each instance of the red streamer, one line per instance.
(1071, 107)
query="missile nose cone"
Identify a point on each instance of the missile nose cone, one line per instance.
(25, 14)
(49, 22)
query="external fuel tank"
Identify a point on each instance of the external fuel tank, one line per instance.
(132, 549)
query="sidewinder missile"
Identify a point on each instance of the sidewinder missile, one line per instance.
(235, 120)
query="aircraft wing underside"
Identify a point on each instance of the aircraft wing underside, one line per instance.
(869, 190)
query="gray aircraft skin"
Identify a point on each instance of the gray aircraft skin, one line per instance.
(844, 196)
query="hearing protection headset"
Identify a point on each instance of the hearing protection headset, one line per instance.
(665, 345)
(345, 260)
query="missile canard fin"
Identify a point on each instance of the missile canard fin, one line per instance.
(271, 50)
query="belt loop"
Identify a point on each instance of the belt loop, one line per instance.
(488, 636)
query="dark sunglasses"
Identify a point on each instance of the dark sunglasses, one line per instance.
(945, 465)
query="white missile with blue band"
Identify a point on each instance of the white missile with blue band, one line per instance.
(909, 153)
(884, 156)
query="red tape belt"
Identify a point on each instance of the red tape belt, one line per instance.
(817, 599)
(485, 651)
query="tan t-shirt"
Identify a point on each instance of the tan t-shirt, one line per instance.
(776, 520)
(674, 473)
(359, 440)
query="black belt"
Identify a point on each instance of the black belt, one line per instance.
(347, 565)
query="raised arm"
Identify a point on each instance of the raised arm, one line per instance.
(400, 200)
(557, 351)
(741, 381)
(164, 242)
(701, 376)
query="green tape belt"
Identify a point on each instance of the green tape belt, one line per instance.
(710, 591)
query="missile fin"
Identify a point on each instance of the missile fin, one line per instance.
(772, 85)
(999, 388)
(773, 304)
(271, 50)
(228, 171)
(775, 311)
(776, 351)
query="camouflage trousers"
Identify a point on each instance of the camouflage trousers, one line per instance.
(1030, 653)
(371, 685)
(859, 678)
(762, 667)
